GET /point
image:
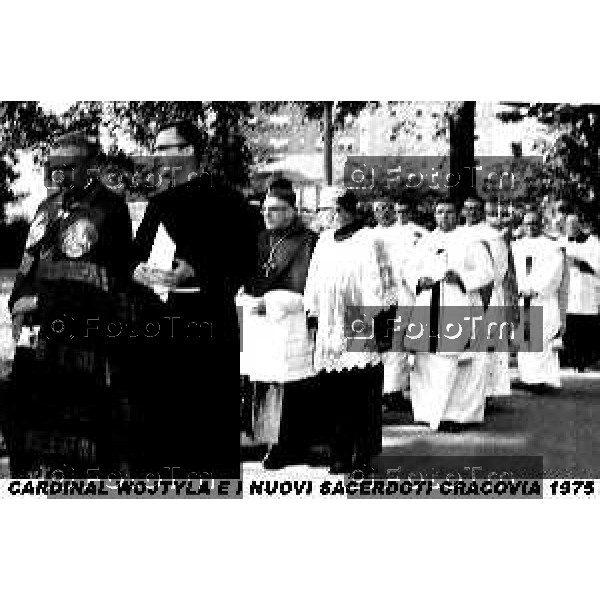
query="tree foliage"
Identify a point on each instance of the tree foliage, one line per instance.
(570, 169)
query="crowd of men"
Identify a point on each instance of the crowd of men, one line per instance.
(315, 392)
(124, 363)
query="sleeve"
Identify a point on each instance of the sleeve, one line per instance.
(282, 302)
(311, 301)
(549, 274)
(414, 267)
(299, 272)
(144, 238)
(121, 240)
(477, 269)
(23, 285)
(366, 287)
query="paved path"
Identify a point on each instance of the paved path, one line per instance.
(564, 429)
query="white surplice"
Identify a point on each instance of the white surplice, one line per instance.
(450, 386)
(583, 287)
(498, 371)
(276, 346)
(544, 279)
(342, 274)
(394, 249)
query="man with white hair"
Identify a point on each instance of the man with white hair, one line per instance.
(326, 207)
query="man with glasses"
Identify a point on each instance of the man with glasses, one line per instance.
(190, 371)
(277, 348)
(71, 405)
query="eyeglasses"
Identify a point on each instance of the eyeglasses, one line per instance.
(167, 147)
(273, 209)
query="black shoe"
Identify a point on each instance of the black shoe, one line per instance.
(340, 467)
(450, 427)
(274, 461)
(396, 402)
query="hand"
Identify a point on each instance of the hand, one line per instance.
(426, 283)
(24, 305)
(527, 293)
(259, 307)
(17, 324)
(182, 272)
(453, 278)
(151, 277)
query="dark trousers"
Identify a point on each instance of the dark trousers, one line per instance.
(302, 425)
(581, 346)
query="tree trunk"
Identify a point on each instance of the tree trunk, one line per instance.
(328, 149)
(462, 151)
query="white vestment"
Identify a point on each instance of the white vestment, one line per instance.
(394, 249)
(277, 346)
(583, 287)
(342, 274)
(498, 371)
(450, 385)
(544, 278)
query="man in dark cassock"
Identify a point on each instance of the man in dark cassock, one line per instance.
(68, 408)
(188, 375)
(277, 345)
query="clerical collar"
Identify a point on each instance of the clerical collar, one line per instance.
(347, 231)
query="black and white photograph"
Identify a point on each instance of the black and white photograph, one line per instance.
(224, 290)
(294, 256)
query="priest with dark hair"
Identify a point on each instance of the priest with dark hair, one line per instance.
(194, 248)
(277, 346)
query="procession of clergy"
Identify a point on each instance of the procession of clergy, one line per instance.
(314, 393)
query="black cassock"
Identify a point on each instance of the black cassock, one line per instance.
(67, 410)
(188, 393)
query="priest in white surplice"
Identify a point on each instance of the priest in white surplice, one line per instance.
(501, 300)
(582, 324)
(405, 224)
(394, 247)
(539, 266)
(448, 386)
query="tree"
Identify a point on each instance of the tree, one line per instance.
(571, 166)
